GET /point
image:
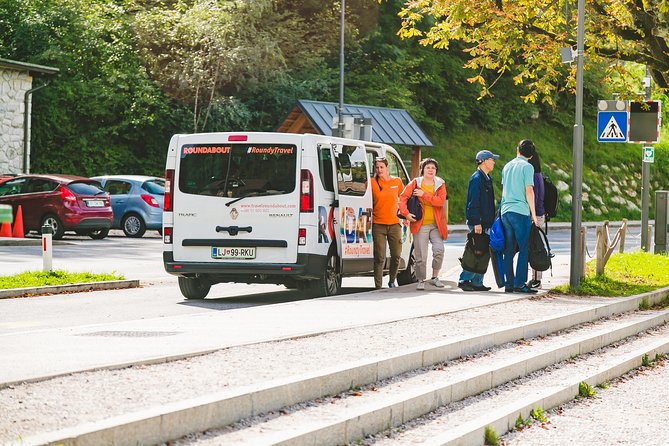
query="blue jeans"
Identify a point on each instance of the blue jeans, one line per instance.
(466, 276)
(516, 237)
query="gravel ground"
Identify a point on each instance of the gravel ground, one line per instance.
(54, 404)
(631, 411)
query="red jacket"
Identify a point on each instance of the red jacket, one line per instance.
(438, 201)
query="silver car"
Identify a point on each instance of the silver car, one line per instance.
(137, 202)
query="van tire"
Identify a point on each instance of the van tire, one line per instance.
(194, 288)
(408, 275)
(329, 282)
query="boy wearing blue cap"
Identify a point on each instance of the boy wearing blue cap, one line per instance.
(480, 212)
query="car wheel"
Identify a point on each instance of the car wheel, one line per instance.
(54, 222)
(98, 234)
(408, 275)
(133, 225)
(194, 287)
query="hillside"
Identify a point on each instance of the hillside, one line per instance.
(611, 172)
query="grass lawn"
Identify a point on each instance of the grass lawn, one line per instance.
(625, 274)
(39, 278)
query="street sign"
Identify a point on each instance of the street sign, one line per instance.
(612, 126)
(649, 154)
(644, 122)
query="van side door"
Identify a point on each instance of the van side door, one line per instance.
(353, 196)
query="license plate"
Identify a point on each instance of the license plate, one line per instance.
(233, 253)
(95, 203)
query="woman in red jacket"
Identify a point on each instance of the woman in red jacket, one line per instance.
(432, 227)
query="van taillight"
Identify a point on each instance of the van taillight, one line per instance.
(306, 191)
(67, 195)
(302, 236)
(169, 190)
(238, 138)
(167, 235)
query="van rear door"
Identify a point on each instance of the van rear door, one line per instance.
(236, 198)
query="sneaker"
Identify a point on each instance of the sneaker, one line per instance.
(392, 285)
(466, 286)
(481, 287)
(524, 289)
(534, 284)
(420, 286)
(436, 282)
(508, 290)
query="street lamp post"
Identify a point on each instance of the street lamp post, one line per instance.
(576, 267)
(340, 108)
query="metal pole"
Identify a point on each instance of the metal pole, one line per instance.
(340, 109)
(645, 183)
(576, 266)
(27, 106)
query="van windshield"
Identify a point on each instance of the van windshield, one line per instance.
(237, 170)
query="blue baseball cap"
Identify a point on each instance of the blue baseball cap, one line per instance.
(484, 155)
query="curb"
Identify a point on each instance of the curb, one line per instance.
(74, 288)
(6, 241)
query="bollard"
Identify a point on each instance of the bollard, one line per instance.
(47, 249)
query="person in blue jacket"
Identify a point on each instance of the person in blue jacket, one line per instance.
(480, 211)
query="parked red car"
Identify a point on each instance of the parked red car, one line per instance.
(66, 202)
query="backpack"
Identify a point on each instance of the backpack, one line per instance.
(497, 235)
(476, 256)
(550, 198)
(539, 250)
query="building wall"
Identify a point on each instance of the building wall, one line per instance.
(13, 85)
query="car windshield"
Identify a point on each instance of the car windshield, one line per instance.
(155, 187)
(82, 188)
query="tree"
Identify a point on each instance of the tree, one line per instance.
(523, 37)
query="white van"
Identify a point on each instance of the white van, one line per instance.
(279, 208)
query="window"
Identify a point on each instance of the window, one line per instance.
(395, 168)
(352, 171)
(155, 187)
(237, 170)
(325, 167)
(13, 187)
(117, 187)
(81, 188)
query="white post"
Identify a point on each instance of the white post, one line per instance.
(47, 248)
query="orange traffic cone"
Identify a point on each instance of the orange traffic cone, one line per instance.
(6, 230)
(18, 224)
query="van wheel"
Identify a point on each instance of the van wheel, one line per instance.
(329, 284)
(408, 275)
(194, 288)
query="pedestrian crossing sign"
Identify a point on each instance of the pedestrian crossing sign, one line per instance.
(612, 126)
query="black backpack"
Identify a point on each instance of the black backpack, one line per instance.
(476, 257)
(539, 250)
(550, 198)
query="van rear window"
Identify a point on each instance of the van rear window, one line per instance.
(237, 170)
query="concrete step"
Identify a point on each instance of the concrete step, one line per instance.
(175, 420)
(358, 413)
(464, 422)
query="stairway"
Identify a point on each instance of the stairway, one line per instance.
(442, 393)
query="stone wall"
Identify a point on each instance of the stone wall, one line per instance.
(13, 85)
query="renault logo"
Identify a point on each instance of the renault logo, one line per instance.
(234, 213)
